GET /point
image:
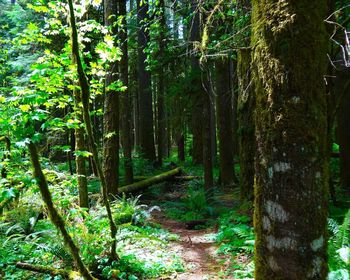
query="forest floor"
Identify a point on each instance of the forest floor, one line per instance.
(196, 245)
(197, 250)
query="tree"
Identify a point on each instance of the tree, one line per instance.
(144, 85)
(111, 110)
(224, 121)
(161, 87)
(246, 129)
(85, 99)
(125, 109)
(342, 91)
(80, 160)
(196, 88)
(289, 61)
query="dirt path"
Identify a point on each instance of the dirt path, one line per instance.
(197, 250)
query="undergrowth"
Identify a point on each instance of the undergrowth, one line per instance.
(28, 236)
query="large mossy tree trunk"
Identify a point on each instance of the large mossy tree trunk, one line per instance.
(246, 125)
(224, 122)
(291, 187)
(145, 88)
(125, 107)
(111, 110)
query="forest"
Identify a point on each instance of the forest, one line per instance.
(175, 139)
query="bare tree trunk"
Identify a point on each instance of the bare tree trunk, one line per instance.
(197, 91)
(80, 161)
(246, 122)
(161, 90)
(124, 96)
(224, 121)
(145, 87)
(111, 111)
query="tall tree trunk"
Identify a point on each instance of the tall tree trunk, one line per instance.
(80, 161)
(224, 122)
(197, 90)
(246, 123)
(291, 187)
(145, 86)
(85, 98)
(124, 96)
(111, 111)
(160, 102)
(343, 131)
(181, 147)
(207, 142)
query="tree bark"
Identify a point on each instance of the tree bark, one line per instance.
(161, 139)
(145, 88)
(207, 129)
(197, 90)
(80, 160)
(48, 270)
(111, 110)
(124, 96)
(246, 125)
(224, 122)
(53, 213)
(343, 117)
(291, 187)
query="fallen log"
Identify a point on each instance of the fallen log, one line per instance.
(175, 178)
(69, 274)
(150, 181)
(187, 178)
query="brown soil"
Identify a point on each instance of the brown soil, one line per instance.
(197, 251)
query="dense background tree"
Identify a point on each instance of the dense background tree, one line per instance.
(144, 85)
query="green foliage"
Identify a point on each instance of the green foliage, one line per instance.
(143, 247)
(196, 203)
(339, 248)
(236, 239)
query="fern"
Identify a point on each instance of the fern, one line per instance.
(345, 230)
(339, 248)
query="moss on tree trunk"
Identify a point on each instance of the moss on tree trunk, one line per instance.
(291, 186)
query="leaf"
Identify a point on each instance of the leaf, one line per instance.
(82, 153)
(341, 274)
(24, 108)
(344, 254)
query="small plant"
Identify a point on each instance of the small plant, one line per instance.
(339, 248)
